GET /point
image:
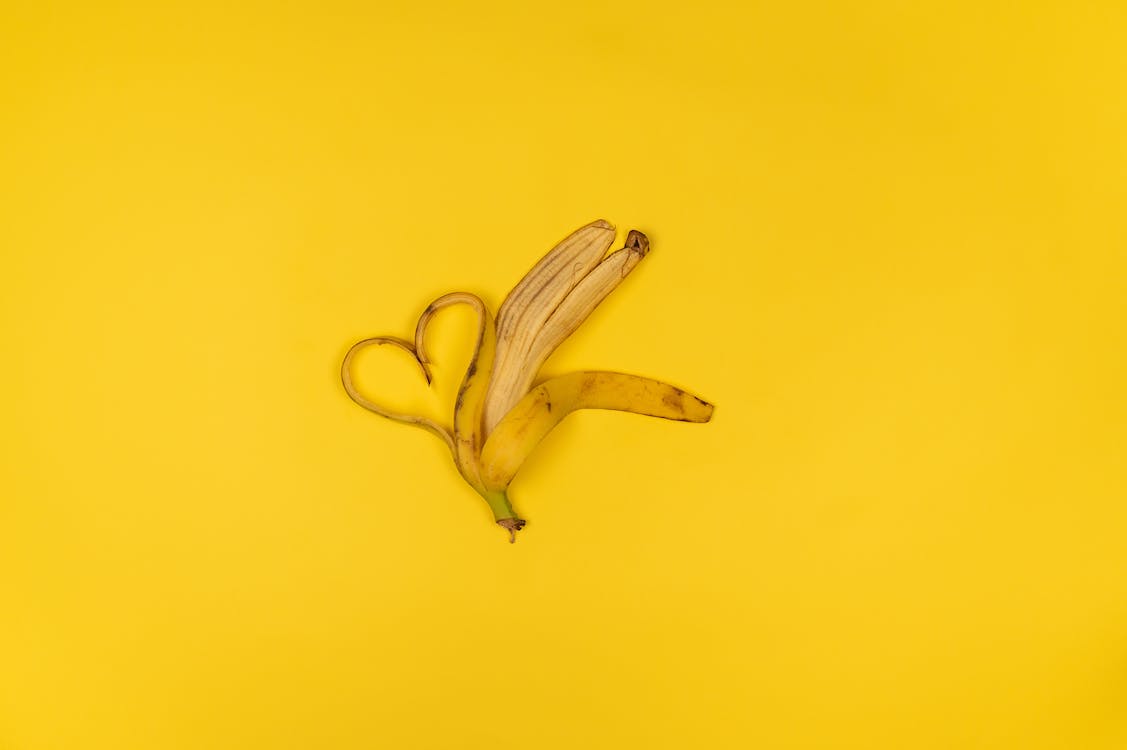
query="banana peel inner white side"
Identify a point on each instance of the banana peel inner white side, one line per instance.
(498, 417)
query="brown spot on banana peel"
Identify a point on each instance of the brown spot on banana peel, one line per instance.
(700, 402)
(674, 399)
(587, 385)
(471, 370)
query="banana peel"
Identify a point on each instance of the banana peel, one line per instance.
(499, 417)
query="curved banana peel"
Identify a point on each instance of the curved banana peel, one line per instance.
(526, 310)
(469, 432)
(530, 421)
(577, 306)
(498, 421)
(350, 388)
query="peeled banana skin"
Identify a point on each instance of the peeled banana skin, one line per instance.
(469, 432)
(579, 304)
(527, 308)
(499, 419)
(545, 406)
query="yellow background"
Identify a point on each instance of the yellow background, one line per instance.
(888, 242)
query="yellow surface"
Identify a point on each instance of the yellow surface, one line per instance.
(889, 242)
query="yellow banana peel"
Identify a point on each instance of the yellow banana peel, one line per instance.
(499, 417)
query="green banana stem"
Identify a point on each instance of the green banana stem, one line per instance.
(503, 512)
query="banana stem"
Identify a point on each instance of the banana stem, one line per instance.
(503, 512)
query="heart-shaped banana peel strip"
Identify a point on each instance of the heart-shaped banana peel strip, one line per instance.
(499, 417)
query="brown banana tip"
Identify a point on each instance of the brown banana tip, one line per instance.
(602, 224)
(512, 525)
(638, 242)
